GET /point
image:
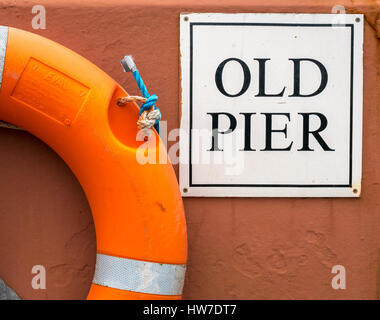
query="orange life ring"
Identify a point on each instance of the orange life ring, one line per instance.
(70, 104)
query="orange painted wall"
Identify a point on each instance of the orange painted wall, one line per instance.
(238, 248)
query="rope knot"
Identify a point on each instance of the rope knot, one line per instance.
(148, 118)
(149, 102)
(149, 114)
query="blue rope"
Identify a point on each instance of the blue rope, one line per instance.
(150, 99)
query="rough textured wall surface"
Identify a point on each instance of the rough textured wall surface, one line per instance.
(238, 248)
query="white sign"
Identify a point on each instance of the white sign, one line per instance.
(271, 105)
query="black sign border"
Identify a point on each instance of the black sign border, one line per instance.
(351, 26)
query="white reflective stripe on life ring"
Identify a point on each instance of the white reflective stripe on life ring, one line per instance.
(139, 276)
(3, 48)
